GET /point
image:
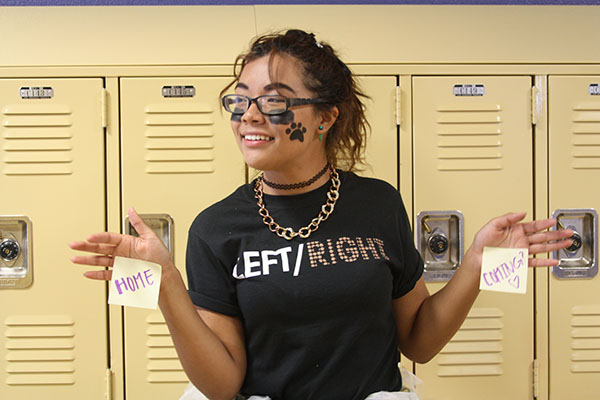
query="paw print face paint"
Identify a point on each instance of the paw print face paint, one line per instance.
(296, 131)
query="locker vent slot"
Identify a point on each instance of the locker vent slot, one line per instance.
(37, 139)
(40, 350)
(585, 335)
(469, 137)
(179, 138)
(586, 136)
(476, 349)
(163, 363)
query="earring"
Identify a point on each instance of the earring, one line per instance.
(320, 137)
(320, 127)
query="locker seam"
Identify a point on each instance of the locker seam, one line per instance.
(533, 121)
(123, 354)
(546, 105)
(412, 152)
(412, 166)
(255, 20)
(105, 182)
(104, 117)
(398, 138)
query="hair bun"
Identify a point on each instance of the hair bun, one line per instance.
(299, 34)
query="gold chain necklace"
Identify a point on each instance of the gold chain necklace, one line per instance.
(304, 232)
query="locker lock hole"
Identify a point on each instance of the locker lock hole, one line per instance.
(575, 238)
(438, 243)
(9, 249)
(576, 245)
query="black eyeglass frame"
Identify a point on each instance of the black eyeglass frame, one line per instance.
(288, 103)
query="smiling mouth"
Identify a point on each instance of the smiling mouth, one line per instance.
(257, 138)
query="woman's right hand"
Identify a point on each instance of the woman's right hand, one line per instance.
(107, 245)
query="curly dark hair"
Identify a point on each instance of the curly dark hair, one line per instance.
(330, 79)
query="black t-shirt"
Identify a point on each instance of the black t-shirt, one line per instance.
(317, 312)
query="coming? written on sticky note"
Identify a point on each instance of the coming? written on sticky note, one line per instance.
(135, 283)
(504, 270)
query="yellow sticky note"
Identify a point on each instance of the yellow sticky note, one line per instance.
(504, 270)
(134, 283)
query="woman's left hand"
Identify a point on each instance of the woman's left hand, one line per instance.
(507, 231)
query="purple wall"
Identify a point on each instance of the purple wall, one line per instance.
(252, 2)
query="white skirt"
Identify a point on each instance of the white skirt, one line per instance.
(410, 383)
(191, 393)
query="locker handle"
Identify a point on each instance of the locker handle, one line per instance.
(16, 261)
(439, 239)
(161, 224)
(427, 228)
(580, 260)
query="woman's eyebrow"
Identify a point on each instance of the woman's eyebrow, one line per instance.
(241, 85)
(278, 85)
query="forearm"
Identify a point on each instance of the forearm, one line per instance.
(426, 323)
(442, 314)
(209, 365)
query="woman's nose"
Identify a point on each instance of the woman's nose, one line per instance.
(253, 114)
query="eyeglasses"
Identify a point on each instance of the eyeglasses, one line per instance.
(269, 104)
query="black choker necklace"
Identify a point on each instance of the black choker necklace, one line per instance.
(290, 186)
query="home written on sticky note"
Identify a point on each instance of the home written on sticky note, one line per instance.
(134, 283)
(504, 270)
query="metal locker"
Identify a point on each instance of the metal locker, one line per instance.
(178, 157)
(53, 330)
(472, 156)
(574, 171)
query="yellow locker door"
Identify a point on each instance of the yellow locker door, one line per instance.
(473, 153)
(382, 144)
(179, 157)
(53, 327)
(382, 148)
(574, 337)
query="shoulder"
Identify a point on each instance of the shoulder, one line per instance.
(371, 188)
(372, 198)
(223, 212)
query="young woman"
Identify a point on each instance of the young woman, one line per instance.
(305, 283)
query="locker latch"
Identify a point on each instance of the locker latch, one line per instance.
(439, 239)
(161, 224)
(16, 270)
(580, 259)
